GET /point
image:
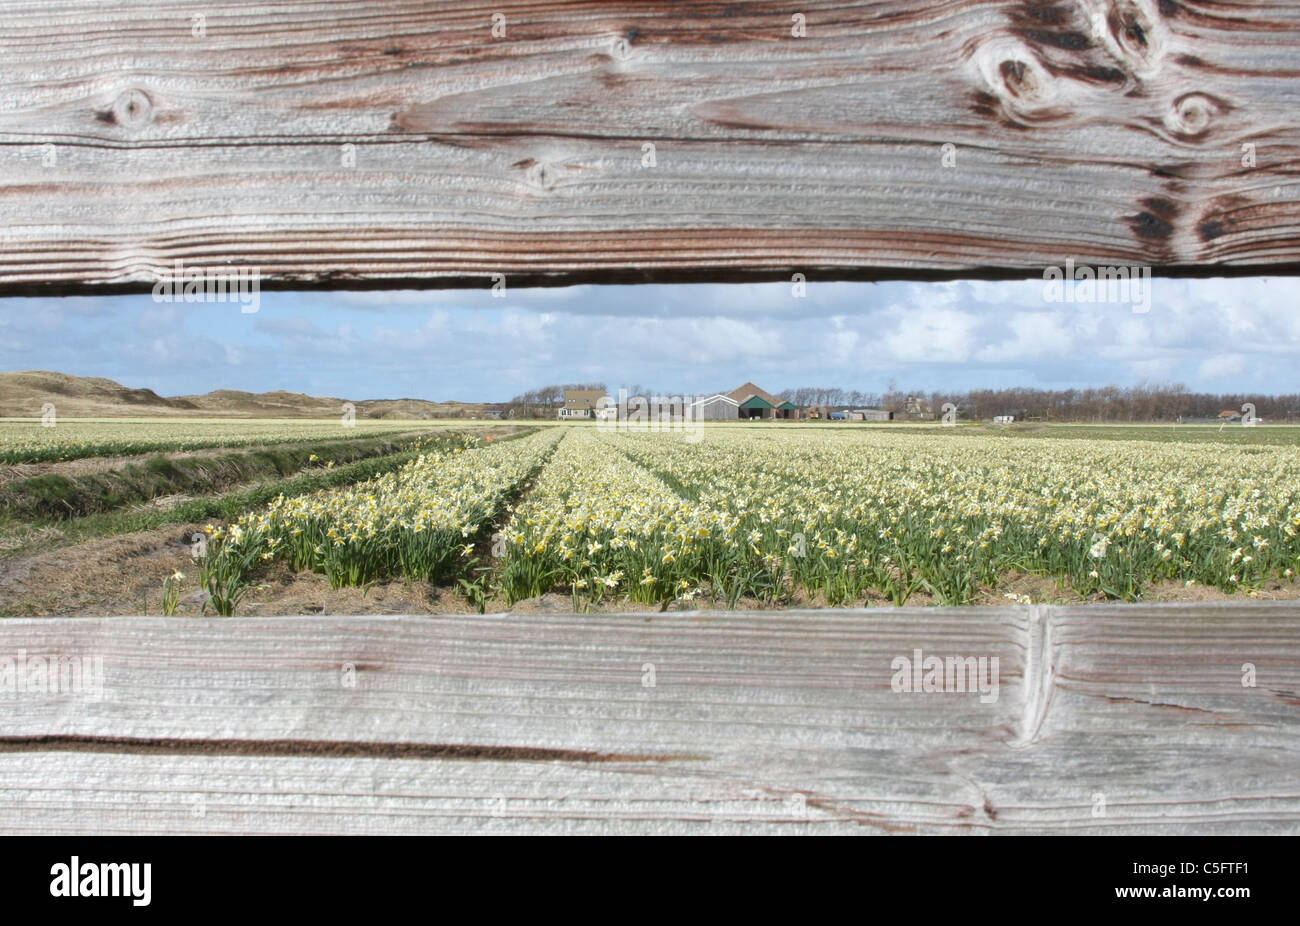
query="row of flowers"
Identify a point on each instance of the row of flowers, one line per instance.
(598, 524)
(416, 522)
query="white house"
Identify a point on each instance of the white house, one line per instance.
(581, 403)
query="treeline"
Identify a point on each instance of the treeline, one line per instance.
(830, 395)
(542, 402)
(1143, 402)
(1135, 403)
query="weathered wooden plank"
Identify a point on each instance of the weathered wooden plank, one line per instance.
(1110, 131)
(1108, 719)
(565, 682)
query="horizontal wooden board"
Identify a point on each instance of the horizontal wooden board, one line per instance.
(1107, 719)
(350, 144)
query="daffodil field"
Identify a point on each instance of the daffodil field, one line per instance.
(27, 441)
(411, 523)
(897, 512)
(775, 515)
(599, 524)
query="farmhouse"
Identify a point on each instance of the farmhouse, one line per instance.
(581, 403)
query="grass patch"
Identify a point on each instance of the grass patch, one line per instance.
(57, 496)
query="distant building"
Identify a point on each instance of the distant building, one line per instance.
(581, 403)
(715, 408)
(917, 407)
(830, 413)
(753, 402)
(1004, 419)
(742, 403)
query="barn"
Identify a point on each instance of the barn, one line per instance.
(715, 408)
(753, 402)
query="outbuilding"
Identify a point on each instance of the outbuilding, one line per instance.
(753, 402)
(715, 408)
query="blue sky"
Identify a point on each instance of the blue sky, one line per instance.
(1212, 335)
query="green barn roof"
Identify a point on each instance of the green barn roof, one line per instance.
(756, 401)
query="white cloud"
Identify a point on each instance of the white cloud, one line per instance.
(1031, 336)
(929, 335)
(1216, 369)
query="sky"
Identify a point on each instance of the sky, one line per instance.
(1215, 335)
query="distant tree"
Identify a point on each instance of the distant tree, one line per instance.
(1154, 402)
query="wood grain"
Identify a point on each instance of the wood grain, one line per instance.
(1110, 131)
(756, 722)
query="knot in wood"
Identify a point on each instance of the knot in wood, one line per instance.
(1017, 78)
(1192, 114)
(1133, 33)
(132, 109)
(541, 175)
(621, 49)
